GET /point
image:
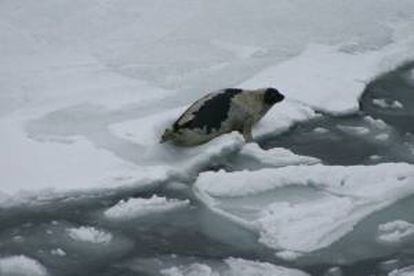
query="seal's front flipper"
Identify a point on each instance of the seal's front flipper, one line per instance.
(247, 132)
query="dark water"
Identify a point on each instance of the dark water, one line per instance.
(141, 246)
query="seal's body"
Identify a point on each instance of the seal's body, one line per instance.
(221, 112)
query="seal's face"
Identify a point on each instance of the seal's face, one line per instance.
(272, 96)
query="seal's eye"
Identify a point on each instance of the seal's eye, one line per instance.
(272, 96)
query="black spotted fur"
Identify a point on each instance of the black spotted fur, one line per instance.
(213, 112)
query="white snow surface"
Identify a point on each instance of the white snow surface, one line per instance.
(233, 267)
(89, 234)
(43, 168)
(21, 265)
(138, 207)
(395, 232)
(342, 197)
(88, 86)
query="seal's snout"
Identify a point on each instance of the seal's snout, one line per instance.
(166, 136)
(272, 96)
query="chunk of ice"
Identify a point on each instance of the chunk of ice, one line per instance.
(21, 265)
(346, 196)
(406, 271)
(276, 156)
(395, 232)
(137, 207)
(232, 267)
(90, 234)
(383, 103)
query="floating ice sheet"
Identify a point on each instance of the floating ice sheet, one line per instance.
(138, 207)
(21, 266)
(311, 80)
(338, 198)
(395, 232)
(232, 267)
(50, 65)
(406, 271)
(90, 234)
(277, 157)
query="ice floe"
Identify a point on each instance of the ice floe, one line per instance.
(310, 79)
(138, 207)
(320, 130)
(58, 252)
(51, 168)
(138, 70)
(66, 162)
(288, 255)
(354, 130)
(246, 268)
(21, 265)
(89, 234)
(232, 267)
(193, 269)
(342, 196)
(389, 265)
(277, 157)
(383, 103)
(141, 132)
(406, 271)
(395, 232)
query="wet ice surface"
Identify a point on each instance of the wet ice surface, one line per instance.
(89, 233)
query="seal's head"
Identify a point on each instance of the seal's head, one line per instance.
(272, 96)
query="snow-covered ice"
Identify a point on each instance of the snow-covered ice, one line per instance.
(277, 157)
(384, 104)
(191, 270)
(277, 120)
(89, 234)
(58, 252)
(21, 265)
(382, 137)
(317, 79)
(288, 255)
(354, 130)
(65, 82)
(232, 267)
(321, 130)
(45, 168)
(389, 265)
(395, 232)
(406, 271)
(87, 88)
(339, 203)
(138, 207)
(247, 268)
